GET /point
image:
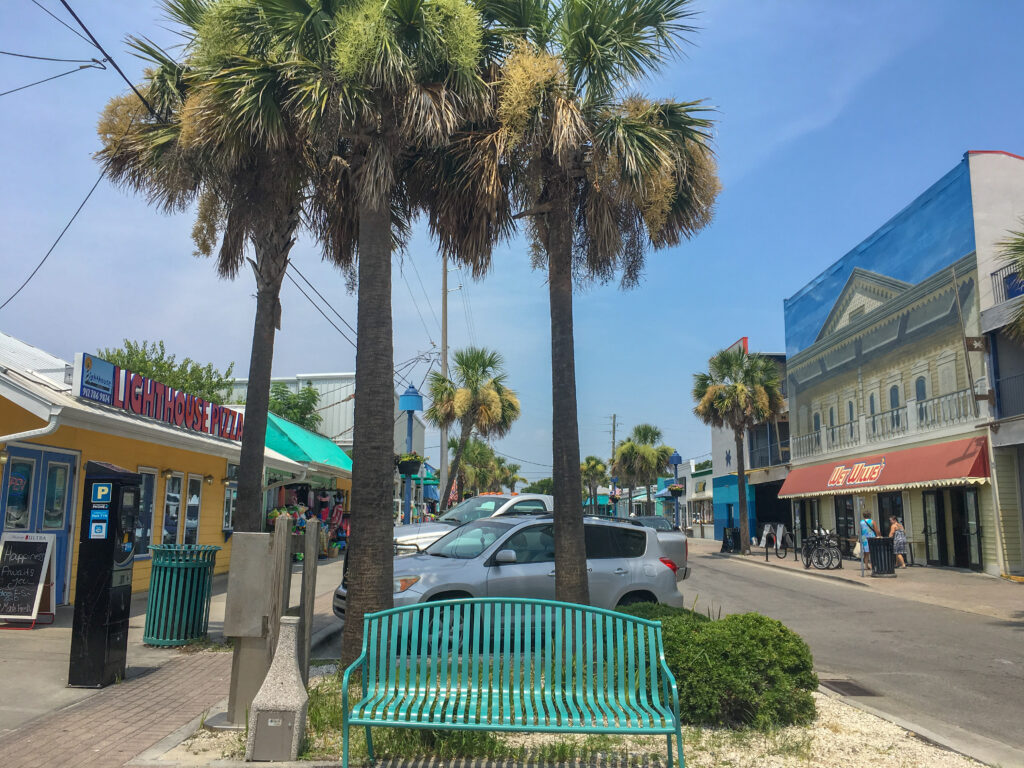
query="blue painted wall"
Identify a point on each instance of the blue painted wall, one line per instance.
(932, 232)
(726, 491)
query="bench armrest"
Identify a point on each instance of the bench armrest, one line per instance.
(359, 662)
(670, 683)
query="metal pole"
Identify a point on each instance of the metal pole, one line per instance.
(443, 465)
(406, 511)
(675, 476)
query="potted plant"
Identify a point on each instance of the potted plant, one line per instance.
(409, 463)
(613, 498)
(675, 490)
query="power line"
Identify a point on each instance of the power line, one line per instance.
(525, 461)
(322, 298)
(48, 79)
(426, 295)
(48, 58)
(317, 307)
(416, 306)
(108, 57)
(66, 227)
(60, 21)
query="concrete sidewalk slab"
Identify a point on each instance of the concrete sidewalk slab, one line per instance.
(947, 587)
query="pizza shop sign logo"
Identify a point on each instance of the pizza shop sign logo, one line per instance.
(103, 382)
(859, 474)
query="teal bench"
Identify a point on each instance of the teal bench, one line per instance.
(504, 664)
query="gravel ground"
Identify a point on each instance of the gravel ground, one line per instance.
(842, 735)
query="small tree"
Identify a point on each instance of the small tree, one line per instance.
(151, 360)
(594, 473)
(545, 485)
(299, 407)
(738, 391)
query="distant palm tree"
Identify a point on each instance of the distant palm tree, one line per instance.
(594, 473)
(511, 476)
(652, 457)
(738, 391)
(475, 397)
(602, 175)
(626, 464)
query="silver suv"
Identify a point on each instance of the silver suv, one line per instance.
(421, 535)
(515, 557)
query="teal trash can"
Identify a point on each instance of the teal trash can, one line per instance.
(178, 608)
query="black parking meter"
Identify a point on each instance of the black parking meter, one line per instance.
(103, 583)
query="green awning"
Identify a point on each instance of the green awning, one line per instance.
(301, 445)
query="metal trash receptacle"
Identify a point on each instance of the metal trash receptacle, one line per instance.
(178, 607)
(883, 560)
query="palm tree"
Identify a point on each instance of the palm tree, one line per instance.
(511, 476)
(601, 175)
(475, 397)
(625, 464)
(594, 473)
(221, 133)
(737, 392)
(1011, 250)
(650, 457)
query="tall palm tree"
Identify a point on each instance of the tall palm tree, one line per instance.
(594, 473)
(650, 458)
(475, 397)
(601, 175)
(738, 391)
(1011, 250)
(223, 135)
(627, 465)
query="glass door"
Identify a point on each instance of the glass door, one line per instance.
(934, 528)
(972, 530)
(172, 509)
(193, 501)
(846, 526)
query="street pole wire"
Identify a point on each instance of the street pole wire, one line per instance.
(423, 288)
(60, 21)
(416, 306)
(54, 77)
(322, 298)
(317, 308)
(48, 58)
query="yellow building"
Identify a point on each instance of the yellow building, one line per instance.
(47, 434)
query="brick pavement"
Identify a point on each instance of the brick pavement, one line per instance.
(111, 727)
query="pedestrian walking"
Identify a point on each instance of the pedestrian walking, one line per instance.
(899, 541)
(868, 530)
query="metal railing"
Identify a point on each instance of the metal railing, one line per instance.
(842, 435)
(806, 445)
(769, 455)
(944, 410)
(1006, 284)
(884, 425)
(1010, 391)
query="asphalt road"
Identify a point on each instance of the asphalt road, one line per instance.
(954, 673)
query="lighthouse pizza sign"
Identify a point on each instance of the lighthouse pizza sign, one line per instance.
(103, 382)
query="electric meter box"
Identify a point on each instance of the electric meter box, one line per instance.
(103, 582)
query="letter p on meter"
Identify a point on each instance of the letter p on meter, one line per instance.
(102, 493)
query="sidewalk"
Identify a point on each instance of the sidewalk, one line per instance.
(950, 588)
(163, 689)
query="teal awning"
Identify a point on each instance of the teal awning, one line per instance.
(299, 444)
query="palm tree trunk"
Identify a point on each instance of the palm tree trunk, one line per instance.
(457, 458)
(271, 263)
(741, 487)
(371, 554)
(570, 555)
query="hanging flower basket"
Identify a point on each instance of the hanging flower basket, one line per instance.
(675, 490)
(409, 463)
(614, 499)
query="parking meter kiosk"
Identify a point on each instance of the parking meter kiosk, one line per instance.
(103, 584)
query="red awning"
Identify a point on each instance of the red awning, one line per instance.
(961, 462)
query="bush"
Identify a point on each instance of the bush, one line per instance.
(658, 611)
(742, 670)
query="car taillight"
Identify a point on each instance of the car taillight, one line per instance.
(669, 563)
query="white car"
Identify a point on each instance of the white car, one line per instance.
(422, 535)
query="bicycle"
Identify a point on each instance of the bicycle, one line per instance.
(822, 551)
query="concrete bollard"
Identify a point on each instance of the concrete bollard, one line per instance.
(277, 719)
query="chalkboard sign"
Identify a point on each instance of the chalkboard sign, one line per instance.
(25, 565)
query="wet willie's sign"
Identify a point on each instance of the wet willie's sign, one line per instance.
(858, 474)
(103, 382)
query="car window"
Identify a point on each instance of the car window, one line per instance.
(599, 543)
(528, 507)
(657, 523)
(630, 543)
(470, 540)
(535, 544)
(473, 509)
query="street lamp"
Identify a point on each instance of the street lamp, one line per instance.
(410, 401)
(674, 461)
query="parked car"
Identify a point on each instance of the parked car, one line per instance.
(657, 522)
(514, 556)
(422, 535)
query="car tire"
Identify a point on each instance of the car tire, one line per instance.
(633, 598)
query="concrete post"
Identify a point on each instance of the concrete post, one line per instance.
(309, 566)
(277, 720)
(913, 417)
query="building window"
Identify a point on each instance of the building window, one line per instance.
(894, 396)
(849, 413)
(920, 389)
(172, 509)
(193, 501)
(55, 502)
(147, 504)
(19, 493)
(817, 430)
(230, 496)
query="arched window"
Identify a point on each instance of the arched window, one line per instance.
(920, 389)
(894, 396)
(849, 412)
(817, 422)
(831, 417)
(871, 410)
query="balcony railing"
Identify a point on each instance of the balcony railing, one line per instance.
(769, 455)
(915, 416)
(1006, 284)
(1011, 395)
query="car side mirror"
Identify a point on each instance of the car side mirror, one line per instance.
(505, 557)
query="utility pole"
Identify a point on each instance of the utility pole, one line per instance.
(443, 480)
(613, 437)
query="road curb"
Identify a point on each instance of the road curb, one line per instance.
(813, 573)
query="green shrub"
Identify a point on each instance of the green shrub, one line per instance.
(742, 670)
(658, 611)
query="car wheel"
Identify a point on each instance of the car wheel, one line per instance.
(635, 597)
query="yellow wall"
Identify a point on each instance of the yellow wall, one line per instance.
(132, 454)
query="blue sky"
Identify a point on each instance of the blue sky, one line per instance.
(832, 117)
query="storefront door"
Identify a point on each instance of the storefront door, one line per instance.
(38, 497)
(935, 528)
(966, 528)
(846, 526)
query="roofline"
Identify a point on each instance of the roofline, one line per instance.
(993, 152)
